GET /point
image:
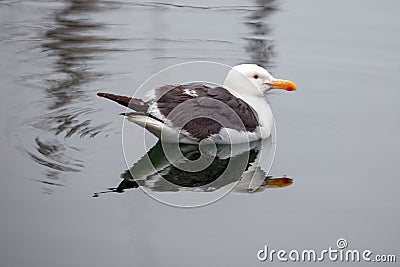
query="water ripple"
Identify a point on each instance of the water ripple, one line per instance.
(75, 47)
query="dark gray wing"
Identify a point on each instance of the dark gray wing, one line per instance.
(202, 110)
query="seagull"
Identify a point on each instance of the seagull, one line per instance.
(236, 112)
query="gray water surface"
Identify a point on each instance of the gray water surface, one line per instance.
(337, 135)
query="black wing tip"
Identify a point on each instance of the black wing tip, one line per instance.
(102, 94)
(131, 113)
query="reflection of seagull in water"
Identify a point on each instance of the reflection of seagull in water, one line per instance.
(236, 166)
(190, 113)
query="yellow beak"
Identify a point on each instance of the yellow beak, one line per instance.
(283, 84)
(278, 182)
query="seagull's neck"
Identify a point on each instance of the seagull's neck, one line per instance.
(244, 89)
(248, 92)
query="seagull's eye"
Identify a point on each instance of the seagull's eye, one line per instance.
(255, 76)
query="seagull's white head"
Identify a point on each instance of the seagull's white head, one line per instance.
(259, 76)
